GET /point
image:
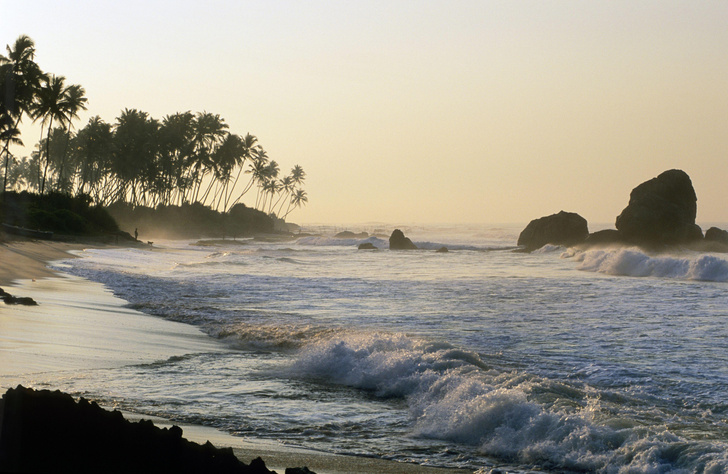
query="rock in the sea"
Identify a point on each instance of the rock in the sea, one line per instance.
(347, 234)
(397, 241)
(661, 211)
(715, 234)
(604, 237)
(564, 228)
(442, 249)
(367, 246)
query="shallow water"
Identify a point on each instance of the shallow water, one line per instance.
(606, 360)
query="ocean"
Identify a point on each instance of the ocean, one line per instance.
(481, 358)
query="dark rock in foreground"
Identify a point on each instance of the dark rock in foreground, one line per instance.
(564, 228)
(367, 246)
(442, 249)
(715, 234)
(397, 241)
(10, 299)
(661, 211)
(45, 431)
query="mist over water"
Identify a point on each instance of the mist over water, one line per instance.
(559, 360)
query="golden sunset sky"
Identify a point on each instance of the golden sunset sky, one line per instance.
(421, 111)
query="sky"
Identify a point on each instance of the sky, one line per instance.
(420, 111)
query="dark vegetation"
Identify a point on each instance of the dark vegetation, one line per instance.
(191, 221)
(56, 212)
(45, 431)
(187, 169)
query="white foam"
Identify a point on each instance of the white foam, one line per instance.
(634, 262)
(322, 241)
(454, 396)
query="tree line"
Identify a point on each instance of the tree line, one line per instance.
(139, 160)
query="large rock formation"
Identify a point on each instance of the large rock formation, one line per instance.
(564, 228)
(661, 211)
(397, 241)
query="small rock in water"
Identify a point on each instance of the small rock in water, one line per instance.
(442, 250)
(397, 241)
(367, 246)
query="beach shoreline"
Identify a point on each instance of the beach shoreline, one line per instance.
(76, 327)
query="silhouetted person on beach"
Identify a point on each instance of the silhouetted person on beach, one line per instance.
(136, 234)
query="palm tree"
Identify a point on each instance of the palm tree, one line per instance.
(56, 101)
(135, 146)
(209, 130)
(298, 199)
(248, 148)
(74, 101)
(92, 152)
(20, 79)
(176, 151)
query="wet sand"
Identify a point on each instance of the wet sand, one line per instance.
(79, 325)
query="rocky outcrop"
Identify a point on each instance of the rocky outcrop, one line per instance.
(397, 241)
(442, 249)
(564, 228)
(367, 246)
(715, 234)
(45, 431)
(661, 211)
(10, 299)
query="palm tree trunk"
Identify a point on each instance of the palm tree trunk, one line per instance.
(48, 155)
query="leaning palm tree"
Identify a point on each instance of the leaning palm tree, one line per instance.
(20, 79)
(298, 199)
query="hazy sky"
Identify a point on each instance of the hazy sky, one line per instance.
(421, 111)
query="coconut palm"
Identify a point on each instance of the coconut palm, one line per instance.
(92, 152)
(298, 199)
(74, 101)
(20, 79)
(56, 101)
(209, 130)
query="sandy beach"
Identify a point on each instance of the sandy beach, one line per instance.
(80, 326)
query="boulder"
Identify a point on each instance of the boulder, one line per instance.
(564, 228)
(442, 249)
(367, 246)
(397, 241)
(715, 234)
(661, 211)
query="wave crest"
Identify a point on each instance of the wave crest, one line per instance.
(633, 262)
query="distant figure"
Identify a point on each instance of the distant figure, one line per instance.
(136, 234)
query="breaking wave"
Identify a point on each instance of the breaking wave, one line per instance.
(633, 262)
(454, 395)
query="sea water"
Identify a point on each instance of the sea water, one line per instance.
(606, 360)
